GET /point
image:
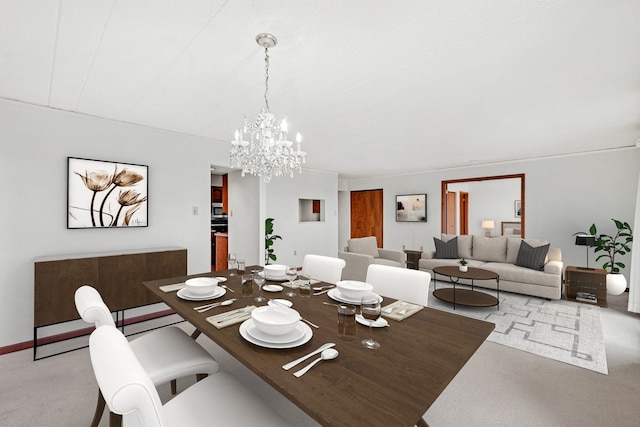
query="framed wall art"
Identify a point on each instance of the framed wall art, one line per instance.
(103, 194)
(517, 209)
(411, 208)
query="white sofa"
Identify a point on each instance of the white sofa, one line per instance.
(361, 252)
(499, 254)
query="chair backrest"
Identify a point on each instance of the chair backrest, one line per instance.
(323, 268)
(400, 283)
(125, 385)
(92, 308)
(364, 245)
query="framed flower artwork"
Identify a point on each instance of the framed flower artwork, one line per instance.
(103, 194)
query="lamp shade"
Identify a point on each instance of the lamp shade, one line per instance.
(585, 240)
(488, 223)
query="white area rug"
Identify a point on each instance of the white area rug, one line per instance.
(561, 330)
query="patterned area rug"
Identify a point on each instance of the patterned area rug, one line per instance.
(561, 330)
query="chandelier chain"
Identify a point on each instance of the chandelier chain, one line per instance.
(266, 77)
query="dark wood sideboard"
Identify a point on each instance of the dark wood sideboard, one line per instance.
(116, 275)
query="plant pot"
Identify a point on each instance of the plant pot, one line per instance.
(616, 283)
(463, 268)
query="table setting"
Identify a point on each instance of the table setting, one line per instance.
(342, 361)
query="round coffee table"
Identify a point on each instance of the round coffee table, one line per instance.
(468, 297)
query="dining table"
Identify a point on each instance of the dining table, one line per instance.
(391, 386)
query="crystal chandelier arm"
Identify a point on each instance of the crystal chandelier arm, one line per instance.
(266, 77)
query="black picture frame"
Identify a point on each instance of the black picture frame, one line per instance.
(411, 208)
(106, 194)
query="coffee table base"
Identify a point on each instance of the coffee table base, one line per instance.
(465, 297)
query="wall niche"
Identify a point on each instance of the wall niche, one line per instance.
(311, 210)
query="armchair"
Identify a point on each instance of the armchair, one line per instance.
(364, 251)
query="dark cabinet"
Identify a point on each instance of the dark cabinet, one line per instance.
(216, 194)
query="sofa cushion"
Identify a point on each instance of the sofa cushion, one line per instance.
(532, 257)
(513, 246)
(446, 250)
(364, 245)
(464, 244)
(490, 248)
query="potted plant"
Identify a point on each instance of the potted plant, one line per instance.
(463, 265)
(269, 240)
(613, 246)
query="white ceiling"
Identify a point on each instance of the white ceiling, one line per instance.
(376, 87)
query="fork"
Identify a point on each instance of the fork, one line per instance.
(322, 292)
(319, 288)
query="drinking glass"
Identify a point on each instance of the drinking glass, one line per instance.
(259, 280)
(240, 268)
(292, 273)
(247, 285)
(304, 290)
(347, 322)
(232, 263)
(370, 310)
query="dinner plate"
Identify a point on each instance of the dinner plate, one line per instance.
(308, 333)
(185, 294)
(221, 279)
(336, 295)
(272, 288)
(380, 322)
(282, 278)
(295, 335)
(279, 301)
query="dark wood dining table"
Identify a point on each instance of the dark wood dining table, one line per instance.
(391, 386)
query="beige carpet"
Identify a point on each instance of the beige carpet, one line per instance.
(566, 331)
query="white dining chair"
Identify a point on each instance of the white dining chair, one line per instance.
(400, 283)
(165, 353)
(323, 268)
(216, 400)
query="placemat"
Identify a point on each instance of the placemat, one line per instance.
(296, 283)
(400, 310)
(231, 317)
(171, 288)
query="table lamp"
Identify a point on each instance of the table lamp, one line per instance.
(586, 240)
(488, 225)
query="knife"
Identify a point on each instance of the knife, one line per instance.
(303, 358)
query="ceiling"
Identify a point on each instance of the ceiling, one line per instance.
(376, 87)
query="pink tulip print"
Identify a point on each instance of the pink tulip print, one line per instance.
(106, 194)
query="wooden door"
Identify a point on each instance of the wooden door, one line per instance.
(464, 213)
(450, 213)
(367, 214)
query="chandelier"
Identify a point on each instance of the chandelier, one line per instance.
(262, 148)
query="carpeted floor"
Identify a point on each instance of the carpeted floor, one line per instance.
(566, 331)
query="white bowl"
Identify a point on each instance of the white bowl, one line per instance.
(275, 320)
(353, 289)
(275, 271)
(201, 285)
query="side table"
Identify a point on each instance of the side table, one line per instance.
(413, 257)
(582, 280)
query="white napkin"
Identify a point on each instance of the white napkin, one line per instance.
(171, 288)
(400, 310)
(232, 317)
(296, 283)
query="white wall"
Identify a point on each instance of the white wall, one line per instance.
(301, 238)
(33, 166)
(564, 195)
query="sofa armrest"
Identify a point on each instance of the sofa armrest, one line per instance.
(554, 254)
(554, 267)
(393, 255)
(356, 265)
(428, 255)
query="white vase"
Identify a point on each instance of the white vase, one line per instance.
(616, 283)
(463, 268)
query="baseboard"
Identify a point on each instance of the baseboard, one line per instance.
(80, 332)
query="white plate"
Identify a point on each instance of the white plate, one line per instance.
(221, 279)
(308, 333)
(273, 278)
(292, 336)
(380, 322)
(277, 302)
(272, 288)
(335, 295)
(185, 294)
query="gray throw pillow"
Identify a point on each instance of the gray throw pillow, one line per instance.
(531, 257)
(446, 250)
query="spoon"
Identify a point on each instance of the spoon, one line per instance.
(219, 304)
(328, 354)
(319, 288)
(227, 288)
